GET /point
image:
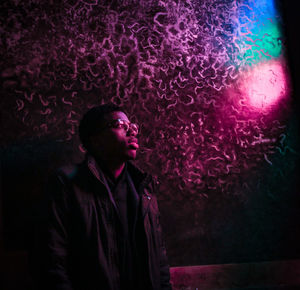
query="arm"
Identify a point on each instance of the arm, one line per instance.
(53, 238)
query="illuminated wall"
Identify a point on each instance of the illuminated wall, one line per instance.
(209, 84)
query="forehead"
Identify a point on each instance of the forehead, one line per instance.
(115, 115)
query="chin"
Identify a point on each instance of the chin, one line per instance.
(131, 155)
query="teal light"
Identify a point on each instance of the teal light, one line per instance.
(258, 31)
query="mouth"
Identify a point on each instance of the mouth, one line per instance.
(133, 144)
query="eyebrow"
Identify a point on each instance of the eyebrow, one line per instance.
(118, 119)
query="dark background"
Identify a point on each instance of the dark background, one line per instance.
(60, 58)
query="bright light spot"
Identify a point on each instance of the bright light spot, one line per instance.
(264, 84)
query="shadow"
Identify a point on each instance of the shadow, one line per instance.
(25, 167)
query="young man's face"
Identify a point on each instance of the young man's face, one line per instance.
(113, 142)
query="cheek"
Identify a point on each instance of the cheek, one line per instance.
(116, 140)
(111, 142)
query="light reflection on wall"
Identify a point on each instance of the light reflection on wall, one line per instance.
(264, 85)
(263, 78)
(259, 34)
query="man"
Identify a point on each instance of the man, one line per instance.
(102, 226)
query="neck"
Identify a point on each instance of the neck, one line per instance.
(113, 167)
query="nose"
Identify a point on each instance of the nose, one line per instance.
(132, 132)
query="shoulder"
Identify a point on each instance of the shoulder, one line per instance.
(62, 177)
(68, 171)
(73, 172)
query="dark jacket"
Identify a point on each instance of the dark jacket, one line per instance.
(80, 237)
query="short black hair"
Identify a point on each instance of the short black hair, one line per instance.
(91, 119)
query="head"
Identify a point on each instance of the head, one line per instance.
(106, 132)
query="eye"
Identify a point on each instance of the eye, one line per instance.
(134, 127)
(125, 126)
(116, 124)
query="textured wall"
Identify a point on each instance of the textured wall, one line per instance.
(207, 81)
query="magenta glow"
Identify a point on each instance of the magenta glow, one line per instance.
(264, 85)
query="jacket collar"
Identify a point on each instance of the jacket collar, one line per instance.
(94, 168)
(140, 178)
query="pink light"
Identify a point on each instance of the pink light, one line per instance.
(264, 85)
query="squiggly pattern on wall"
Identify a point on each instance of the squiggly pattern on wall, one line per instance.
(177, 67)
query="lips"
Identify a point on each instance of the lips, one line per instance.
(133, 143)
